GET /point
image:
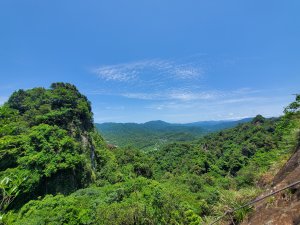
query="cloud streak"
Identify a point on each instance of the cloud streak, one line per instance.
(178, 95)
(192, 86)
(190, 93)
(136, 71)
(205, 100)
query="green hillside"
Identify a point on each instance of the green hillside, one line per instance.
(155, 134)
(55, 168)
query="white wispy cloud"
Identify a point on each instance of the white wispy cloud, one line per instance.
(246, 90)
(115, 73)
(192, 93)
(205, 100)
(143, 96)
(135, 70)
(173, 105)
(240, 100)
(187, 72)
(172, 95)
(191, 96)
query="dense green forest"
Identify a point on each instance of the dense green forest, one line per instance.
(148, 136)
(55, 168)
(155, 134)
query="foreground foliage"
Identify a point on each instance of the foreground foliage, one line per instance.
(56, 169)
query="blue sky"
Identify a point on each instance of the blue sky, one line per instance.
(138, 60)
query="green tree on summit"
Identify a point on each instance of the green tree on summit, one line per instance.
(294, 106)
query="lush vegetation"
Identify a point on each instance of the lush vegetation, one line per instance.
(56, 169)
(155, 134)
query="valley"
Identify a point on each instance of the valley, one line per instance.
(55, 167)
(153, 135)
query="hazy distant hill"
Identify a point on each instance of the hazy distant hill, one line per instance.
(218, 125)
(150, 135)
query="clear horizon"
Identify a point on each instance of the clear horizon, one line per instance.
(186, 122)
(141, 61)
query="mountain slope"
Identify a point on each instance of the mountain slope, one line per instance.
(147, 136)
(182, 183)
(212, 126)
(154, 134)
(284, 207)
(48, 144)
(56, 169)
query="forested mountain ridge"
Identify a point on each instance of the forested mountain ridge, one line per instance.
(56, 169)
(48, 144)
(148, 136)
(154, 134)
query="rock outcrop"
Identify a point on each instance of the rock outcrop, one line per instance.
(284, 207)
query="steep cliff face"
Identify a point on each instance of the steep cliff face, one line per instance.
(47, 142)
(284, 207)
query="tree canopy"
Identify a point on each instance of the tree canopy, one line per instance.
(55, 168)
